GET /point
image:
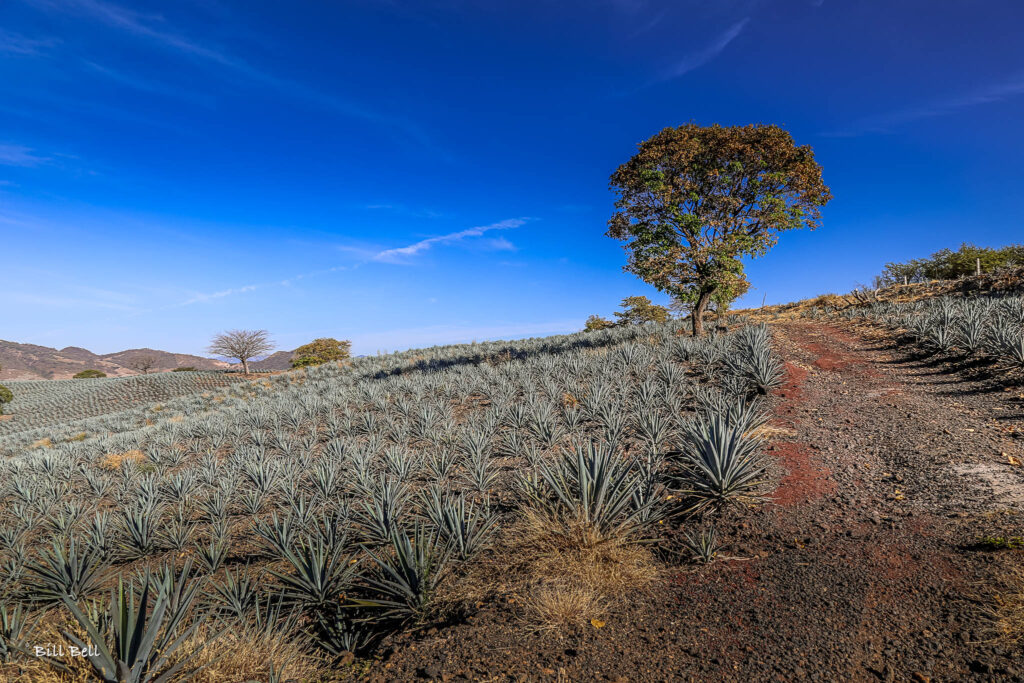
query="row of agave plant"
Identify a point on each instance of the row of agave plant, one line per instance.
(332, 504)
(989, 326)
(39, 403)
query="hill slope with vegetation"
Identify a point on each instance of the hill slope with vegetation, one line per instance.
(30, 361)
(372, 495)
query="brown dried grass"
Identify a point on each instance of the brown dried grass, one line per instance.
(1007, 606)
(556, 574)
(243, 654)
(112, 461)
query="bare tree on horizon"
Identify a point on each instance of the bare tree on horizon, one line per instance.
(242, 345)
(143, 364)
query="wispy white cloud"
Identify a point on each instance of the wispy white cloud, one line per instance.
(402, 254)
(16, 44)
(648, 25)
(500, 244)
(201, 297)
(19, 155)
(884, 123)
(154, 28)
(142, 25)
(704, 55)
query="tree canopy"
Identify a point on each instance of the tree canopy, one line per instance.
(596, 322)
(693, 201)
(319, 351)
(637, 310)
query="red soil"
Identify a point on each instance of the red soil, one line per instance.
(805, 480)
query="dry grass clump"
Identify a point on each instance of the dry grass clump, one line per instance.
(553, 607)
(242, 653)
(247, 653)
(112, 461)
(1007, 606)
(47, 632)
(42, 443)
(557, 573)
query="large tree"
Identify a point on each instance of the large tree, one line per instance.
(693, 201)
(242, 345)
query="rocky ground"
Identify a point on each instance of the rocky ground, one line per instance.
(865, 566)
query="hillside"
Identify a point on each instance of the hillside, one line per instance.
(275, 362)
(828, 497)
(29, 361)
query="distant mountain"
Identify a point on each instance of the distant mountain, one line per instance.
(282, 360)
(28, 361)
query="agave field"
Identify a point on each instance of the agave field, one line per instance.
(989, 326)
(71, 402)
(327, 507)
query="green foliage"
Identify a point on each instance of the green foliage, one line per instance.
(134, 644)
(729, 289)
(592, 487)
(5, 397)
(695, 200)
(318, 575)
(407, 579)
(71, 573)
(185, 368)
(703, 545)
(1000, 543)
(637, 310)
(596, 322)
(949, 265)
(465, 527)
(90, 374)
(12, 631)
(320, 351)
(721, 461)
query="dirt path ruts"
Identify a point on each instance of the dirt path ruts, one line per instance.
(886, 414)
(887, 467)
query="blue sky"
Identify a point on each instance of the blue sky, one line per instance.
(404, 173)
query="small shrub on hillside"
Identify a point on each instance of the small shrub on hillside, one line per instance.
(1000, 543)
(320, 351)
(90, 374)
(5, 397)
(596, 322)
(947, 264)
(186, 368)
(637, 310)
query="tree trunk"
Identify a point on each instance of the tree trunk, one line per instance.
(245, 366)
(698, 313)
